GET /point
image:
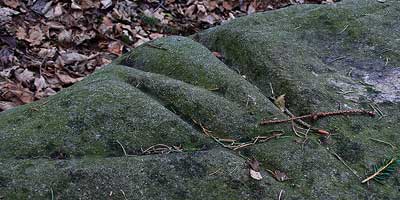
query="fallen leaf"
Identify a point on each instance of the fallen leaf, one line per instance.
(254, 168)
(254, 164)
(24, 75)
(106, 3)
(67, 79)
(35, 36)
(155, 36)
(21, 33)
(40, 83)
(255, 175)
(65, 37)
(280, 176)
(12, 3)
(115, 47)
(6, 105)
(217, 54)
(227, 5)
(70, 58)
(280, 102)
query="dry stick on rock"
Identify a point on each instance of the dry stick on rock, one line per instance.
(123, 149)
(345, 164)
(318, 115)
(384, 142)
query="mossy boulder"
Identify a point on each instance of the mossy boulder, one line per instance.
(90, 140)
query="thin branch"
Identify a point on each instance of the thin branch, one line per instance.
(378, 172)
(318, 115)
(123, 149)
(384, 142)
(344, 163)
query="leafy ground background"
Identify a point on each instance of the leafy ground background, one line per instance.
(49, 45)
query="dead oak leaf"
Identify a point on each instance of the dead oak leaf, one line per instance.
(115, 47)
(35, 36)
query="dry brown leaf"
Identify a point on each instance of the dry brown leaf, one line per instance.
(280, 176)
(201, 8)
(254, 164)
(106, 3)
(190, 10)
(21, 33)
(251, 9)
(40, 83)
(255, 175)
(227, 5)
(65, 37)
(70, 58)
(155, 36)
(35, 36)
(217, 54)
(280, 102)
(115, 47)
(24, 75)
(211, 5)
(48, 53)
(6, 105)
(24, 95)
(208, 19)
(12, 3)
(67, 79)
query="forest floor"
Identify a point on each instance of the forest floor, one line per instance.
(49, 45)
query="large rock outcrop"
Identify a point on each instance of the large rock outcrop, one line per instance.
(74, 145)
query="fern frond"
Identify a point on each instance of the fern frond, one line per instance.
(383, 171)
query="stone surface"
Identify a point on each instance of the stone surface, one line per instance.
(164, 92)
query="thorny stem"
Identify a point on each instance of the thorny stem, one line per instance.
(316, 116)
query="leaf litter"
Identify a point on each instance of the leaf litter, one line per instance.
(46, 46)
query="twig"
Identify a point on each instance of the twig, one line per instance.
(52, 193)
(294, 130)
(156, 47)
(384, 142)
(280, 194)
(316, 116)
(379, 171)
(219, 169)
(344, 163)
(123, 193)
(123, 149)
(347, 26)
(336, 59)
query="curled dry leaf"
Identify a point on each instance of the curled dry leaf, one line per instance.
(280, 176)
(40, 83)
(12, 3)
(65, 37)
(67, 79)
(70, 58)
(24, 75)
(35, 36)
(6, 105)
(115, 47)
(254, 169)
(255, 175)
(280, 102)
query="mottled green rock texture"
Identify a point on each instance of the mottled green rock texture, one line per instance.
(322, 57)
